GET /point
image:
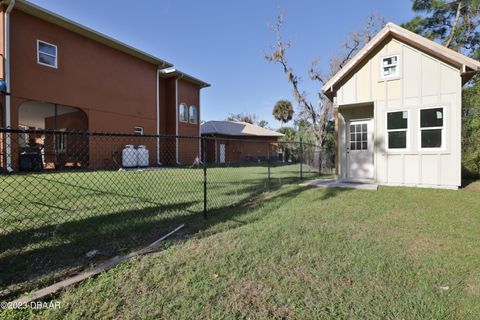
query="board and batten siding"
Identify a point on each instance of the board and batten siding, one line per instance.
(424, 81)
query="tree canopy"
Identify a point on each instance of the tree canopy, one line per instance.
(455, 24)
(283, 111)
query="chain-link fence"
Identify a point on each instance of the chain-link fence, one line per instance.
(68, 199)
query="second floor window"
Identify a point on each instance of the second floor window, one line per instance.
(390, 67)
(46, 54)
(183, 112)
(193, 114)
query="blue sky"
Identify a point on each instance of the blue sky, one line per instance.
(222, 42)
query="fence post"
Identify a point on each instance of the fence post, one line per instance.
(269, 156)
(204, 160)
(301, 159)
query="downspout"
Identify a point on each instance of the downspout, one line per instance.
(8, 139)
(176, 116)
(199, 126)
(158, 117)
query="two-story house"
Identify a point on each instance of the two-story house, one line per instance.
(58, 74)
(398, 111)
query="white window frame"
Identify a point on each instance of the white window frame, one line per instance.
(443, 128)
(397, 130)
(180, 113)
(196, 114)
(48, 54)
(138, 131)
(60, 141)
(382, 67)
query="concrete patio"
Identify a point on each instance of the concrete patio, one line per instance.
(334, 183)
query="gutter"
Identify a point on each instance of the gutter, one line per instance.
(8, 138)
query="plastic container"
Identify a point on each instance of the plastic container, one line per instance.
(142, 156)
(129, 157)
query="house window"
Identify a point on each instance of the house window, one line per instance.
(390, 67)
(193, 114)
(46, 54)
(397, 130)
(138, 131)
(359, 136)
(432, 128)
(61, 142)
(183, 112)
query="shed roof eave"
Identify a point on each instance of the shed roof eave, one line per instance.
(456, 59)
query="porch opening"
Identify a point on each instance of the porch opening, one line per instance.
(53, 151)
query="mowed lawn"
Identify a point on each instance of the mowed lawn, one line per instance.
(398, 253)
(51, 220)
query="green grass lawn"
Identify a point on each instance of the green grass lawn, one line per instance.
(51, 220)
(398, 253)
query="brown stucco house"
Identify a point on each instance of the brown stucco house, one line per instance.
(60, 75)
(233, 142)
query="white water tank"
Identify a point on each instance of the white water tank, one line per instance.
(142, 156)
(129, 157)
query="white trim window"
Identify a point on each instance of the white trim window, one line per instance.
(61, 141)
(183, 112)
(138, 131)
(390, 66)
(193, 115)
(47, 54)
(432, 128)
(397, 130)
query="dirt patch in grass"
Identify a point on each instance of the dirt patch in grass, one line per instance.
(251, 297)
(421, 245)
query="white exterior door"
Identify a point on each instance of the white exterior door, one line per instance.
(360, 147)
(222, 153)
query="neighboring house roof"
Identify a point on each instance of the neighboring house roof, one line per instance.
(169, 73)
(70, 25)
(468, 66)
(230, 128)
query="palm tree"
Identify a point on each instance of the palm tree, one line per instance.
(283, 111)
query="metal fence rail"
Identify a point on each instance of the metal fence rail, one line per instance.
(70, 198)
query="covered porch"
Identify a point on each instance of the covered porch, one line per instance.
(355, 140)
(37, 151)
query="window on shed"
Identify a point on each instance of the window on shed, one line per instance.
(46, 54)
(397, 130)
(183, 112)
(390, 67)
(432, 128)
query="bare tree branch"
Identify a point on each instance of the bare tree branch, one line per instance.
(319, 114)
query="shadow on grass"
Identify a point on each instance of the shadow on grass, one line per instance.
(39, 256)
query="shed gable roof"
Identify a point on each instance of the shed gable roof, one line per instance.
(467, 65)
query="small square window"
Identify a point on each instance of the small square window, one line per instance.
(138, 131)
(390, 66)
(46, 54)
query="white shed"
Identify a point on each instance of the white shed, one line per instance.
(398, 111)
